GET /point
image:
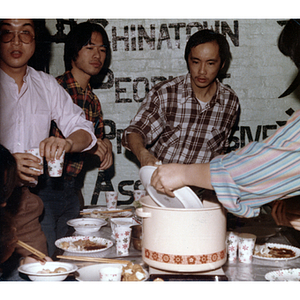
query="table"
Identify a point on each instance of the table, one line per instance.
(234, 271)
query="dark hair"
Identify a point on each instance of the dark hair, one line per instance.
(205, 36)
(289, 41)
(8, 174)
(80, 36)
(289, 45)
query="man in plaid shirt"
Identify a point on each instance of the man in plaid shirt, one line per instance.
(87, 53)
(187, 119)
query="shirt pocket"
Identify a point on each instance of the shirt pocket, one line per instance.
(216, 140)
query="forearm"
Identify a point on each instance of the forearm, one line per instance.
(136, 144)
(197, 175)
(79, 140)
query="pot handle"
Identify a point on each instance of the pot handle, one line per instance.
(141, 213)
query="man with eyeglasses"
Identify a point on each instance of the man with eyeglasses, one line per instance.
(29, 100)
(87, 53)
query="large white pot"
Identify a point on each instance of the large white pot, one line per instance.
(183, 240)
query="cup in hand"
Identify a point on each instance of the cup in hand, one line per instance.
(111, 273)
(111, 199)
(122, 236)
(232, 245)
(36, 152)
(246, 247)
(56, 166)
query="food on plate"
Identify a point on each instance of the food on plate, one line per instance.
(57, 270)
(81, 245)
(133, 272)
(273, 252)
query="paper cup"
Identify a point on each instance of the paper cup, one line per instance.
(125, 222)
(111, 199)
(36, 152)
(110, 273)
(246, 247)
(56, 166)
(122, 236)
(138, 194)
(232, 245)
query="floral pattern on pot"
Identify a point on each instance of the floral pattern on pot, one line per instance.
(184, 259)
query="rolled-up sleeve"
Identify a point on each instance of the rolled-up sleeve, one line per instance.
(69, 117)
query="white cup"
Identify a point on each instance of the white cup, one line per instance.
(36, 152)
(56, 166)
(111, 199)
(138, 194)
(246, 247)
(110, 273)
(232, 245)
(122, 236)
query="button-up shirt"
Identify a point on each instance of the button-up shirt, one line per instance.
(177, 130)
(25, 116)
(90, 104)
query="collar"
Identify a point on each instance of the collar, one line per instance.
(188, 94)
(71, 79)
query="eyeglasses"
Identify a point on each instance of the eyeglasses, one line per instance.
(7, 36)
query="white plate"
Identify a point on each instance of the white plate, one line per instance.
(106, 216)
(32, 271)
(184, 197)
(91, 273)
(295, 249)
(284, 275)
(97, 240)
(86, 225)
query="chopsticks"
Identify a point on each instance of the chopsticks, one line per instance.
(34, 251)
(95, 259)
(106, 211)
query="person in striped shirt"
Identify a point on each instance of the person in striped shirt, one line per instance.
(256, 174)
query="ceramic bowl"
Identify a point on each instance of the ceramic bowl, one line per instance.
(85, 226)
(33, 271)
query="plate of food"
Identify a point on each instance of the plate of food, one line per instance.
(83, 244)
(50, 271)
(130, 272)
(272, 251)
(284, 275)
(103, 213)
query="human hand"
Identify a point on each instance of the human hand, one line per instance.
(167, 178)
(25, 163)
(33, 259)
(104, 151)
(49, 146)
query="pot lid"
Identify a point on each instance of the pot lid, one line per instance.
(184, 197)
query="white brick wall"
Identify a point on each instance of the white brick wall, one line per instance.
(259, 73)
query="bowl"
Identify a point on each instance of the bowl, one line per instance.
(33, 271)
(136, 237)
(85, 226)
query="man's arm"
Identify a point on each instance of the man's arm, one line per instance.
(136, 145)
(75, 142)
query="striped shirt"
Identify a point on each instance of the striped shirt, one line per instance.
(260, 172)
(176, 129)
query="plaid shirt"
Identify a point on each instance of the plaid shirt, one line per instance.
(175, 127)
(90, 103)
